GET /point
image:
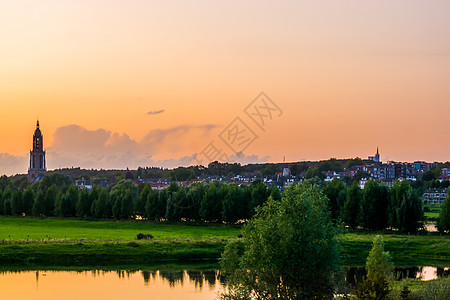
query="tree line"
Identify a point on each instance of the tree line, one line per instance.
(375, 207)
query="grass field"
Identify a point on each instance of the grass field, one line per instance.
(55, 242)
(39, 229)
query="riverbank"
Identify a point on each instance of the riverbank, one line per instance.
(53, 242)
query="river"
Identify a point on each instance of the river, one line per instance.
(140, 284)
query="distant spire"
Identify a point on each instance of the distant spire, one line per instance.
(37, 123)
(377, 150)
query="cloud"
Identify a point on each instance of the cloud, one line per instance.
(80, 147)
(13, 164)
(155, 112)
(76, 146)
(240, 157)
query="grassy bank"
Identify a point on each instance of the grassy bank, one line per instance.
(405, 249)
(53, 242)
(38, 229)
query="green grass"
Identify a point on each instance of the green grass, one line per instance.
(55, 242)
(432, 214)
(37, 229)
(404, 249)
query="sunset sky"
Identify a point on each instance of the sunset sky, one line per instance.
(119, 84)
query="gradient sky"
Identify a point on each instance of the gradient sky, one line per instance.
(128, 83)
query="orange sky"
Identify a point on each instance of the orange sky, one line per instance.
(348, 76)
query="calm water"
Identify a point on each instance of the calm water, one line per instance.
(165, 285)
(121, 285)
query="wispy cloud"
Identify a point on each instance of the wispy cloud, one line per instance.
(155, 112)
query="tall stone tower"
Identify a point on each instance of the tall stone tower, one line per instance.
(37, 168)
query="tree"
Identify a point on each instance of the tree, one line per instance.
(39, 207)
(50, 200)
(211, 204)
(28, 201)
(234, 205)
(16, 203)
(4, 182)
(336, 191)
(83, 204)
(66, 203)
(142, 199)
(289, 250)
(379, 273)
(351, 207)
(101, 207)
(444, 215)
(156, 203)
(259, 196)
(274, 192)
(374, 204)
(7, 195)
(1, 202)
(405, 208)
(61, 181)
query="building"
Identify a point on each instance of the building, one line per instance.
(375, 158)
(37, 169)
(434, 196)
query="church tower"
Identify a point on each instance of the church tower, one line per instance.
(37, 168)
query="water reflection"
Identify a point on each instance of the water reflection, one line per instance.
(355, 275)
(149, 284)
(120, 284)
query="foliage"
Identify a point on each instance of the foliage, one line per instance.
(373, 214)
(405, 208)
(351, 205)
(444, 216)
(290, 250)
(379, 273)
(336, 191)
(39, 208)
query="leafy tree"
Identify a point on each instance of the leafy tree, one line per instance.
(1, 202)
(123, 199)
(234, 205)
(7, 195)
(374, 206)
(83, 204)
(50, 200)
(379, 273)
(101, 207)
(28, 200)
(274, 192)
(444, 215)
(4, 182)
(195, 195)
(155, 205)
(211, 204)
(259, 196)
(39, 206)
(61, 181)
(182, 174)
(289, 250)
(336, 191)
(177, 206)
(142, 199)
(353, 162)
(16, 203)
(315, 172)
(67, 202)
(351, 207)
(405, 208)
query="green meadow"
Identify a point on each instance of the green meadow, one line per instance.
(56, 242)
(39, 229)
